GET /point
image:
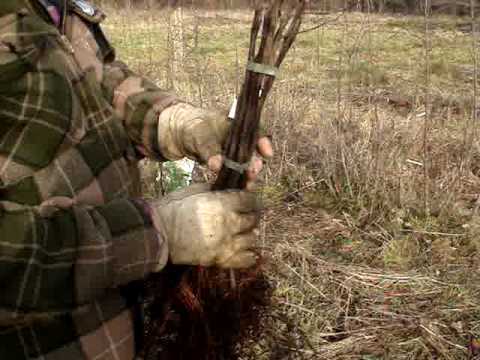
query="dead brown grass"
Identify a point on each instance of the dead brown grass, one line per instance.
(327, 307)
(371, 226)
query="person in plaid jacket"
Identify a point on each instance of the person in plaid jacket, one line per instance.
(73, 227)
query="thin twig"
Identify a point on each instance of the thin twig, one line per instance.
(427, 110)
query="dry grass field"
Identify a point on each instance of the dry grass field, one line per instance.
(372, 227)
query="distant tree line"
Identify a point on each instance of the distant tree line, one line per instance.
(455, 7)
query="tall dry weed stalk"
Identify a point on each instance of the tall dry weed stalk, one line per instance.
(427, 119)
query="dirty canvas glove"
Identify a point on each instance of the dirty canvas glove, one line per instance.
(199, 134)
(188, 131)
(209, 228)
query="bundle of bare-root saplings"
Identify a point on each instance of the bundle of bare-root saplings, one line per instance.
(199, 313)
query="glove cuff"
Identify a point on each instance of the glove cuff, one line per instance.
(161, 238)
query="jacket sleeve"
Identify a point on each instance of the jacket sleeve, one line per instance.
(54, 259)
(139, 103)
(57, 253)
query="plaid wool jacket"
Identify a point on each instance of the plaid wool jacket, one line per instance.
(73, 125)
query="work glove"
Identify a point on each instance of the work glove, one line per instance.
(199, 134)
(208, 228)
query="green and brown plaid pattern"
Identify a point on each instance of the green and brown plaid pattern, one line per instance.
(69, 233)
(101, 330)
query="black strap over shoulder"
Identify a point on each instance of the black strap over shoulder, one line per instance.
(106, 49)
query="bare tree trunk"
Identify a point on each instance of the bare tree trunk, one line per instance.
(176, 44)
(381, 6)
(412, 6)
